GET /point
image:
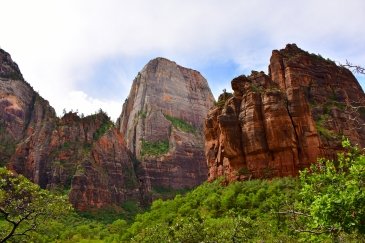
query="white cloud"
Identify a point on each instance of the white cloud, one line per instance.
(86, 104)
(59, 44)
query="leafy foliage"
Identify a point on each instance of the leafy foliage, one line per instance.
(333, 195)
(242, 211)
(181, 124)
(167, 192)
(142, 114)
(323, 131)
(127, 211)
(223, 98)
(23, 206)
(327, 203)
(154, 148)
(103, 129)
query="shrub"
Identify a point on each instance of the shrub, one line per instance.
(154, 148)
(181, 124)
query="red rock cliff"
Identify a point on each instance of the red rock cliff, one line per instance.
(84, 155)
(160, 145)
(162, 120)
(277, 124)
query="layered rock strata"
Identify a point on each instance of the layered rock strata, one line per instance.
(278, 124)
(85, 156)
(161, 146)
(162, 121)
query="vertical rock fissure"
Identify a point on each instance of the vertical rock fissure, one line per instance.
(262, 118)
(134, 141)
(30, 114)
(295, 130)
(140, 118)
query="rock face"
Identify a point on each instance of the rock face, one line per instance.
(84, 155)
(277, 124)
(162, 121)
(161, 148)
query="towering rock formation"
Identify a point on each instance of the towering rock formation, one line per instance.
(277, 124)
(162, 121)
(84, 155)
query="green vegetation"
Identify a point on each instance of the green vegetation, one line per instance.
(86, 148)
(66, 145)
(325, 204)
(333, 195)
(181, 124)
(77, 228)
(12, 76)
(127, 211)
(319, 57)
(223, 98)
(142, 114)
(239, 212)
(256, 88)
(323, 131)
(154, 148)
(166, 192)
(103, 129)
(24, 206)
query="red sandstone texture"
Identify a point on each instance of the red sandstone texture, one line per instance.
(88, 157)
(85, 156)
(164, 90)
(278, 124)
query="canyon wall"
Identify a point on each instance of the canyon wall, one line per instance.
(277, 124)
(156, 147)
(162, 121)
(84, 157)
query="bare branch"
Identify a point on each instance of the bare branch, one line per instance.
(314, 232)
(354, 68)
(293, 212)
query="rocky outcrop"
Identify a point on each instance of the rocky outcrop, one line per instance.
(162, 121)
(8, 68)
(21, 109)
(85, 156)
(277, 124)
(107, 177)
(157, 145)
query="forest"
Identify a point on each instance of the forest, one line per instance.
(326, 203)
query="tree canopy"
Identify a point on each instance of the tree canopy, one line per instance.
(24, 206)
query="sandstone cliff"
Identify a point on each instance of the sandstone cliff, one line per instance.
(157, 146)
(277, 124)
(85, 156)
(162, 121)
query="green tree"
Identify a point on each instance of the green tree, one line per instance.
(333, 195)
(24, 206)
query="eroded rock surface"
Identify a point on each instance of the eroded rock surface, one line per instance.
(85, 156)
(166, 107)
(157, 146)
(277, 124)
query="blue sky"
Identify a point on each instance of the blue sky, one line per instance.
(84, 54)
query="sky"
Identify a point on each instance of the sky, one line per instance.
(83, 55)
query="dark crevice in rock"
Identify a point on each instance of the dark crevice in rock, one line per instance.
(262, 118)
(30, 112)
(298, 147)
